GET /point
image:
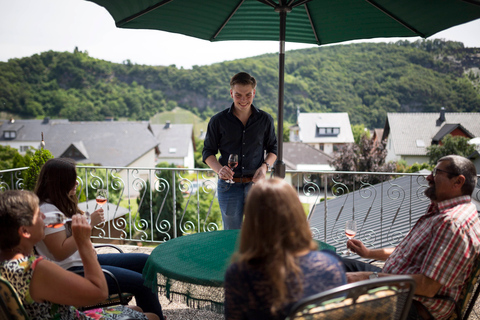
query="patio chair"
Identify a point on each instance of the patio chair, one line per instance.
(382, 298)
(11, 307)
(117, 298)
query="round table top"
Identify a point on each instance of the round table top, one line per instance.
(200, 258)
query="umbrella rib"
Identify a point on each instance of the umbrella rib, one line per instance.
(376, 5)
(269, 3)
(311, 24)
(298, 3)
(474, 2)
(141, 13)
(226, 21)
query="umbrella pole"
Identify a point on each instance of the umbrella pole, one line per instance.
(279, 168)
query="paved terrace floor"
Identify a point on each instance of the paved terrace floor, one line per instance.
(178, 311)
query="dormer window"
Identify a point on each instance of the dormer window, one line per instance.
(328, 131)
(9, 135)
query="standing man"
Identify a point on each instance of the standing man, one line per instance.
(248, 132)
(441, 249)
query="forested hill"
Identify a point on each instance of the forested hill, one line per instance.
(365, 80)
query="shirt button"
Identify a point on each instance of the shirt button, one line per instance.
(243, 167)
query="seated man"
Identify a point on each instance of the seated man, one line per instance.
(441, 249)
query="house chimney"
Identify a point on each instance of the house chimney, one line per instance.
(442, 117)
(167, 125)
(46, 120)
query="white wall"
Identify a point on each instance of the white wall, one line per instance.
(18, 144)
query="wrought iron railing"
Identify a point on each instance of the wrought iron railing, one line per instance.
(154, 205)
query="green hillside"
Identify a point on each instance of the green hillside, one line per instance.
(366, 80)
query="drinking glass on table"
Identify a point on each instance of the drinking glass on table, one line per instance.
(232, 164)
(101, 197)
(350, 232)
(56, 219)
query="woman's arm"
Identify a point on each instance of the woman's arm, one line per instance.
(52, 283)
(59, 245)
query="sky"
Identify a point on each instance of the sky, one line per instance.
(30, 27)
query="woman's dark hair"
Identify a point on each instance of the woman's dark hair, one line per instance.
(55, 181)
(17, 208)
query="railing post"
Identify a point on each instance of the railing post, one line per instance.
(174, 222)
(326, 207)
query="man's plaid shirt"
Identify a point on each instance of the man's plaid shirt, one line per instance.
(443, 246)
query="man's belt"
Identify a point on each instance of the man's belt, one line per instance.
(242, 180)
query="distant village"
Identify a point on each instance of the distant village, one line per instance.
(314, 139)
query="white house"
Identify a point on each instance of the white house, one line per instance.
(324, 131)
(410, 134)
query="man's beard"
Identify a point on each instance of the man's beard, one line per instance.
(430, 192)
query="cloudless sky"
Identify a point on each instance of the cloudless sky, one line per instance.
(28, 27)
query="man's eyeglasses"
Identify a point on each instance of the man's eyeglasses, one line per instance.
(435, 170)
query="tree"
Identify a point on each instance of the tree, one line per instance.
(359, 131)
(416, 167)
(198, 154)
(450, 145)
(366, 156)
(10, 158)
(34, 166)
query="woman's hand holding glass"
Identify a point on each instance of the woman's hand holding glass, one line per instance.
(81, 229)
(97, 217)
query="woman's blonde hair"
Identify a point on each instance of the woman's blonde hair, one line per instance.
(274, 231)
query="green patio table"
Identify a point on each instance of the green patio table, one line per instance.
(191, 268)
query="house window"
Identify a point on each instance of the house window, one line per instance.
(24, 148)
(9, 134)
(321, 146)
(328, 131)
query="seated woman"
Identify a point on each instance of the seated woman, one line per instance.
(46, 290)
(277, 263)
(56, 189)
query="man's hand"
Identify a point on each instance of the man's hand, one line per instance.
(260, 174)
(356, 246)
(225, 173)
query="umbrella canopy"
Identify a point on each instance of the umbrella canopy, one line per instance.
(305, 21)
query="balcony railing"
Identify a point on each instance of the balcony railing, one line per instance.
(154, 205)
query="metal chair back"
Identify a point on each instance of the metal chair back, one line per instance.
(382, 298)
(11, 307)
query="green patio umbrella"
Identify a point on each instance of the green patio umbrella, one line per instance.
(305, 21)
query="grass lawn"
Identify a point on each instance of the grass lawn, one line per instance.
(181, 116)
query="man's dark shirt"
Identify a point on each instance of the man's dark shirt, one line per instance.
(227, 134)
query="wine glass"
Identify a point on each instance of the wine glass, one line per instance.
(232, 163)
(56, 219)
(101, 197)
(350, 232)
